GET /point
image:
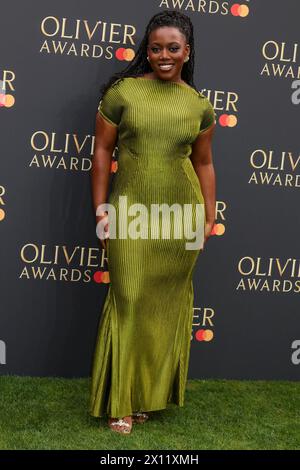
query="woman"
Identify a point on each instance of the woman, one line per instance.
(163, 129)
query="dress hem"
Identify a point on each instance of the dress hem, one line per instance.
(143, 410)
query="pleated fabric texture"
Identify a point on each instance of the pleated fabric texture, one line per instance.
(142, 349)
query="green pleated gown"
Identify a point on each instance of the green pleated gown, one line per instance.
(142, 349)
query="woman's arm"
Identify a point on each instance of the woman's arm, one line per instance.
(105, 142)
(201, 158)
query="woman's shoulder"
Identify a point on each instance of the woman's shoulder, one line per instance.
(115, 87)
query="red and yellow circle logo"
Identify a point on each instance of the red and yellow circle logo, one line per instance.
(239, 10)
(125, 53)
(101, 277)
(204, 335)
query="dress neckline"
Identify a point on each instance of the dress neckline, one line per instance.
(166, 81)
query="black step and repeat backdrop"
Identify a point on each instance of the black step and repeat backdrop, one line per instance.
(54, 275)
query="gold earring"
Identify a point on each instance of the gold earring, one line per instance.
(148, 58)
(186, 59)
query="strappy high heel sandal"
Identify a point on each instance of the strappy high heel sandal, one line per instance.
(139, 417)
(122, 424)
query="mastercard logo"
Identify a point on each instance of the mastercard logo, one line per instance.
(204, 335)
(101, 277)
(239, 10)
(123, 53)
(6, 101)
(227, 120)
(218, 229)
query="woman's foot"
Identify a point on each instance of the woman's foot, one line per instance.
(139, 417)
(121, 425)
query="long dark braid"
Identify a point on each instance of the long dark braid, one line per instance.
(140, 65)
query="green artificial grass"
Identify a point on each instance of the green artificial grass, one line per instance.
(52, 413)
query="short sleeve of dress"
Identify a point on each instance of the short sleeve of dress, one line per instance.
(110, 106)
(209, 115)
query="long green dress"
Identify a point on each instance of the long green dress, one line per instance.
(142, 350)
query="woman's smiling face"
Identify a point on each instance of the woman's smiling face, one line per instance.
(167, 49)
